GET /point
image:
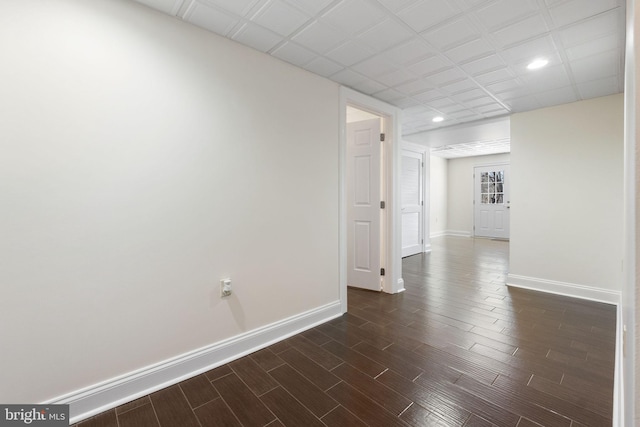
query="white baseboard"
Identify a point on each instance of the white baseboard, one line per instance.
(453, 233)
(458, 233)
(564, 288)
(125, 388)
(427, 248)
(400, 287)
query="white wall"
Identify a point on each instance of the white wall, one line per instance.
(567, 197)
(460, 191)
(438, 196)
(142, 161)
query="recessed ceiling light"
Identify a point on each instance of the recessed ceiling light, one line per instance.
(437, 119)
(538, 63)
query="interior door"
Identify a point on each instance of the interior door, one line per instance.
(363, 204)
(412, 202)
(491, 201)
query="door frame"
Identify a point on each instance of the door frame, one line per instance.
(473, 194)
(392, 260)
(426, 194)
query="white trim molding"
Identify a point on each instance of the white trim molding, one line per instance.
(457, 233)
(108, 394)
(392, 116)
(400, 287)
(563, 288)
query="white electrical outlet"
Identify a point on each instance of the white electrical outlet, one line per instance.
(225, 287)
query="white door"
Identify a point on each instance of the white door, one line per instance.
(363, 204)
(412, 202)
(491, 201)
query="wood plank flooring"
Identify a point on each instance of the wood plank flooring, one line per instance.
(458, 348)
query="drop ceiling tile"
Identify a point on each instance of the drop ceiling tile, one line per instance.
(427, 13)
(483, 65)
(396, 5)
(369, 87)
(429, 95)
(408, 53)
(459, 86)
(601, 25)
(470, 4)
(319, 37)
(490, 108)
(375, 66)
(415, 86)
(417, 111)
(396, 78)
(527, 51)
(469, 51)
(385, 34)
(350, 53)
(517, 92)
(444, 103)
(596, 88)
(280, 18)
(576, 10)
(494, 76)
(294, 54)
(452, 33)
(448, 109)
(389, 95)
(348, 77)
(504, 12)
(257, 37)
(209, 18)
(497, 112)
(592, 47)
(507, 85)
(465, 114)
(237, 7)
(431, 65)
(405, 103)
(310, 7)
(323, 66)
(479, 102)
(354, 16)
(468, 95)
(533, 26)
(170, 7)
(557, 96)
(596, 67)
(447, 77)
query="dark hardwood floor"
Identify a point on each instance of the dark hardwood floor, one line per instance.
(458, 348)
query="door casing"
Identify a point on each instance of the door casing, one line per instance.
(392, 258)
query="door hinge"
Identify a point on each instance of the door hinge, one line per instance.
(422, 241)
(382, 205)
(382, 137)
(382, 271)
(422, 203)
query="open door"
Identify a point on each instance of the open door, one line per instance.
(363, 204)
(412, 179)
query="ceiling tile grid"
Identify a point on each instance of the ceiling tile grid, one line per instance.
(464, 60)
